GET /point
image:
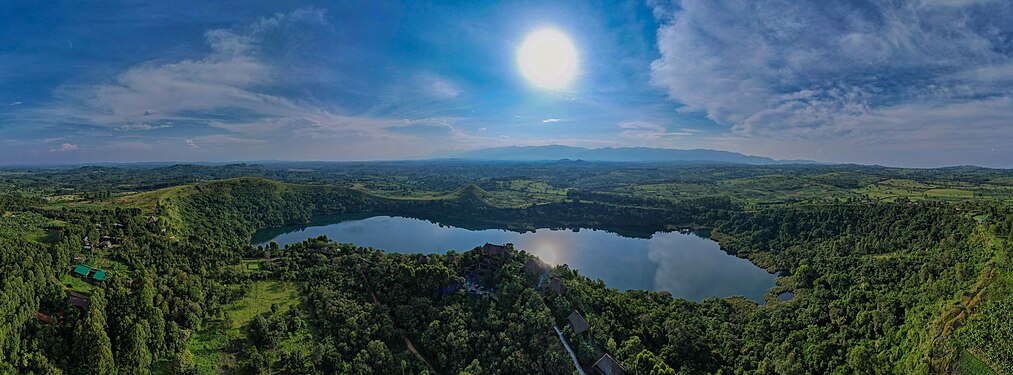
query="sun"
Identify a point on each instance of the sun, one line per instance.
(547, 59)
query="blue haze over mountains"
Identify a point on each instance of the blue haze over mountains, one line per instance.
(618, 154)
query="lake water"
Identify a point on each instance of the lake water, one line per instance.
(686, 264)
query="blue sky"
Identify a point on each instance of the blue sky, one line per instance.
(919, 83)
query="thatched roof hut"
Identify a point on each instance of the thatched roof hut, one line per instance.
(578, 323)
(607, 365)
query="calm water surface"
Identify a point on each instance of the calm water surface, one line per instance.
(685, 264)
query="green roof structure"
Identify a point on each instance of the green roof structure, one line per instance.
(82, 270)
(99, 275)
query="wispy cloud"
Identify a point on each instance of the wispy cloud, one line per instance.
(226, 78)
(223, 90)
(649, 131)
(551, 120)
(833, 72)
(65, 148)
(14, 103)
(439, 87)
(142, 127)
(219, 139)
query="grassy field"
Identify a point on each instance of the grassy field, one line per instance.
(148, 199)
(893, 189)
(519, 193)
(755, 190)
(949, 193)
(104, 262)
(259, 301)
(209, 344)
(971, 365)
(251, 265)
(75, 283)
(832, 186)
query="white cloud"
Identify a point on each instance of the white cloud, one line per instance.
(880, 73)
(65, 148)
(952, 3)
(225, 78)
(218, 139)
(441, 88)
(142, 127)
(14, 103)
(551, 120)
(649, 131)
(229, 79)
(230, 97)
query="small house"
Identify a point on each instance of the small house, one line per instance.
(99, 275)
(424, 260)
(578, 323)
(533, 267)
(556, 286)
(502, 251)
(607, 365)
(82, 270)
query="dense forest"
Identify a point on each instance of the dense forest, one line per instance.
(892, 270)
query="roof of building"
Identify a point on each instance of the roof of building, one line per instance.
(500, 250)
(606, 365)
(533, 266)
(578, 323)
(99, 275)
(44, 317)
(556, 286)
(78, 301)
(82, 270)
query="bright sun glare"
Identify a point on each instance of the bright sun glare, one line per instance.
(547, 59)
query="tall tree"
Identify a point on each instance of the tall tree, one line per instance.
(91, 343)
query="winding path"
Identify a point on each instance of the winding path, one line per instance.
(407, 341)
(568, 350)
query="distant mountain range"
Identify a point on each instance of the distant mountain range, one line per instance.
(617, 154)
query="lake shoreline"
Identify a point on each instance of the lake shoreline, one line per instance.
(686, 263)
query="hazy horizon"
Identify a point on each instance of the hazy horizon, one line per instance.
(916, 84)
